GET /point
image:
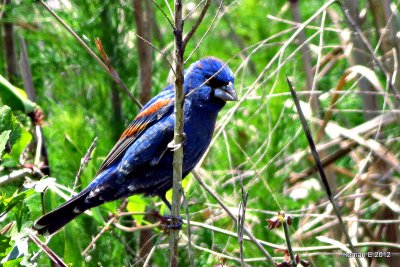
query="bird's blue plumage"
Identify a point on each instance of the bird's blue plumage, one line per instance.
(141, 161)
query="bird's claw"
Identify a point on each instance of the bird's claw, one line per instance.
(174, 146)
(172, 222)
(183, 137)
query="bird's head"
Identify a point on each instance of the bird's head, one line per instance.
(210, 79)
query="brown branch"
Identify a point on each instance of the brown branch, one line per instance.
(53, 256)
(144, 29)
(207, 31)
(9, 44)
(37, 115)
(84, 162)
(233, 217)
(343, 151)
(26, 70)
(178, 132)
(165, 15)
(197, 24)
(367, 44)
(113, 72)
(105, 228)
(109, 70)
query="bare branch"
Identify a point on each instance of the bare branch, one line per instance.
(53, 256)
(233, 217)
(196, 25)
(143, 27)
(84, 162)
(207, 31)
(178, 132)
(165, 15)
(111, 71)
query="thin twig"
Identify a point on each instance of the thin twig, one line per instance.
(158, 50)
(84, 162)
(196, 25)
(241, 220)
(370, 50)
(320, 168)
(287, 237)
(233, 217)
(90, 51)
(295, 249)
(113, 72)
(15, 175)
(165, 15)
(105, 228)
(136, 228)
(53, 256)
(205, 34)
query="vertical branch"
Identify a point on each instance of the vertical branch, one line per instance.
(143, 25)
(178, 131)
(25, 69)
(305, 55)
(387, 26)
(285, 224)
(9, 45)
(240, 221)
(358, 56)
(111, 41)
(36, 116)
(144, 19)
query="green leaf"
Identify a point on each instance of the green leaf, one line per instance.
(19, 250)
(18, 136)
(22, 214)
(8, 203)
(4, 245)
(7, 122)
(137, 204)
(22, 143)
(15, 97)
(12, 263)
(5, 118)
(3, 140)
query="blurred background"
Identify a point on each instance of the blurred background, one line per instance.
(55, 99)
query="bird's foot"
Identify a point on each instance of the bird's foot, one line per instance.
(172, 222)
(174, 146)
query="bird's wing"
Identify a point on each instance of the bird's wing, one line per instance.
(155, 110)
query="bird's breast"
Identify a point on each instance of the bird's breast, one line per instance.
(199, 128)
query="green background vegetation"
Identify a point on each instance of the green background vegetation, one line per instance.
(75, 95)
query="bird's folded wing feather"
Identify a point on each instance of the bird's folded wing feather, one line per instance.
(152, 112)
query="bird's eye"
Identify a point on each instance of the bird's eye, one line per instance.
(215, 83)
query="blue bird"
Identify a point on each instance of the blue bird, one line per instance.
(141, 162)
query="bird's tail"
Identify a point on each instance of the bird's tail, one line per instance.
(56, 219)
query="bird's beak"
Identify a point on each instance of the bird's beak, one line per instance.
(226, 92)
